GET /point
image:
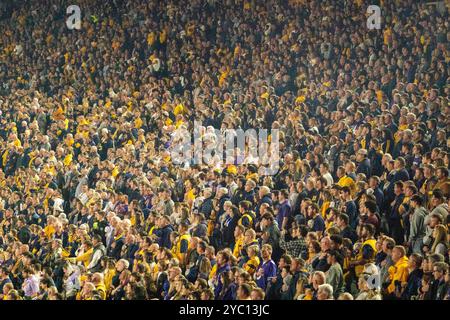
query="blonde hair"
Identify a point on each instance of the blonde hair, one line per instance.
(254, 249)
(441, 236)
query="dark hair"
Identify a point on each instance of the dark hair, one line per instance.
(417, 199)
(418, 258)
(316, 245)
(202, 245)
(314, 206)
(203, 284)
(246, 289)
(27, 270)
(345, 189)
(245, 204)
(303, 230)
(438, 194)
(344, 217)
(370, 228)
(97, 237)
(4, 270)
(336, 238)
(47, 281)
(285, 193)
(347, 243)
(444, 170)
(139, 292)
(436, 257)
(427, 277)
(371, 206)
(322, 180)
(268, 216)
(334, 253)
(287, 258)
(399, 184)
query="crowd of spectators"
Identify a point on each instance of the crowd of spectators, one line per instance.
(93, 208)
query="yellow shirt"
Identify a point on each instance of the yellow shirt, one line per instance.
(189, 197)
(238, 247)
(109, 274)
(387, 36)
(115, 172)
(178, 109)
(49, 231)
(223, 76)
(325, 206)
(101, 289)
(5, 157)
(85, 257)
(68, 160)
(251, 265)
(212, 274)
(151, 38)
(138, 123)
(398, 272)
(163, 36)
(380, 96)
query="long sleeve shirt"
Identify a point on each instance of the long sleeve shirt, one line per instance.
(398, 272)
(31, 286)
(417, 227)
(335, 277)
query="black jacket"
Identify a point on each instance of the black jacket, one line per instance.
(206, 207)
(364, 167)
(375, 162)
(349, 233)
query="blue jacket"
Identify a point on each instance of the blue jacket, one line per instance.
(219, 286)
(364, 167)
(379, 196)
(249, 196)
(350, 210)
(163, 235)
(400, 175)
(413, 284)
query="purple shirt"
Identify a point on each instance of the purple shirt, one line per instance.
(270, 270)
(284, 211)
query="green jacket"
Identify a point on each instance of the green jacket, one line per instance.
(335, 277)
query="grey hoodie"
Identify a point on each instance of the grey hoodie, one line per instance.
(418, 227)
